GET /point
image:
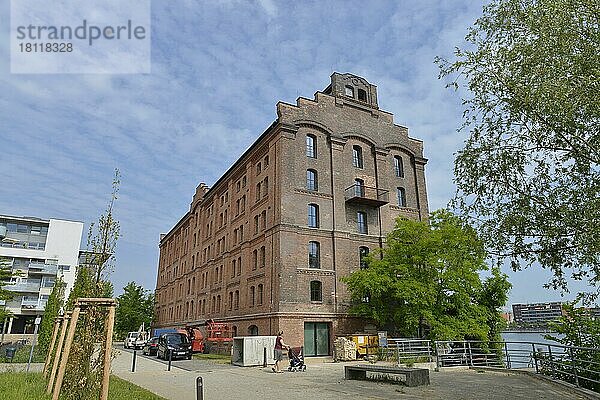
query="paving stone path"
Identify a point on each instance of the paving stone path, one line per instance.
(324, 381)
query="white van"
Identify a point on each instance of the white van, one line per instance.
(134, 340)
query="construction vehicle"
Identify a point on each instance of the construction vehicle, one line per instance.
(211, 337)
(218, 337)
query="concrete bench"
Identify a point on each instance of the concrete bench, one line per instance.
(414, 376)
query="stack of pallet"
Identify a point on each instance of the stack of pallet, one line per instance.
(345, 350)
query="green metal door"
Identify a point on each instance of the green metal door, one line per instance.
(316, 338)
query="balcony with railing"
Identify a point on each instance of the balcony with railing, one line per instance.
(28, 286)
(366, 195)
(33, 304)
(42, 269)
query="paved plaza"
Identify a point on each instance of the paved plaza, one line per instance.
(323, 380)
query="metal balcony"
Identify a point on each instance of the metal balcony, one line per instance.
(24, 287)
(42, 269)
(366, 195)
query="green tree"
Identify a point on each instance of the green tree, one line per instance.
(51, 311)
(529, 172)
(427, 284)
(578, 328)
(84, 369)
(6, 273)
(135, 307)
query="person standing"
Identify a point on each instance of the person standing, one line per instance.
(278, 351)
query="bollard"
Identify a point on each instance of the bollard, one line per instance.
(264, 357)
(199, 388)
(170, 358)
(133, 362)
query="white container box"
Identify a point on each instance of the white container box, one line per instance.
(249, 351)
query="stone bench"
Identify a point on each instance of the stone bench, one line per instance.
(414, 376)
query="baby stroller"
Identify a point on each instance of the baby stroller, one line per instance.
(296, 356)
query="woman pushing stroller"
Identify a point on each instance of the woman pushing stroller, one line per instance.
(278, 351)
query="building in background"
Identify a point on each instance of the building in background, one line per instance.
(41, 250)
(537, 313)
(264, 249)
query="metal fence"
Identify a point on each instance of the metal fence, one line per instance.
(408, 350)
(577, 365)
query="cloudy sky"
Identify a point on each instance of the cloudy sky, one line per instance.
(218, 69)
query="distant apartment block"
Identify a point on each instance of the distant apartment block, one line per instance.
(41, 250)
(537, 313)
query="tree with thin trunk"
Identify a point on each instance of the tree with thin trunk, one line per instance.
(84, 369)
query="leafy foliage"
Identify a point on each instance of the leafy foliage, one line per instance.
(83, 376)
(529, 172)
(135, 307)
(428, 284)
(5, 274)
(53, 309)
(579, 329)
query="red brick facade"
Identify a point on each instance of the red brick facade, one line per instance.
(241, 254)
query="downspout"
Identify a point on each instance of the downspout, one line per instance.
(379, 207)
(333, 246)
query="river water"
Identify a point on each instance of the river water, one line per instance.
(536, 337)
(520, 353)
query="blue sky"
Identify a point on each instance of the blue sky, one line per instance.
(218, 69)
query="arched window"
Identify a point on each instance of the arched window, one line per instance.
(349, 91)
(263, 256)
(359, 188)
(398, 166)
(230, 301)
(252, 299)
(401, 196)
(361, 218)
(314, 255)
(313, 215)
(362, 95)
(316, 291)
(363, 252)
(254, 259)
(311, 146)
(311, 180)
(219, 303)
(253, 330)
(260, 294)
(357, 156)
(233, 331)
(236, 300)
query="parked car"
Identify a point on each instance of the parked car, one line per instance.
(175, 344)
(151, 347)
(134, 340)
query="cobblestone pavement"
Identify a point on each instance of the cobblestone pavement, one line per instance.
(326, 381)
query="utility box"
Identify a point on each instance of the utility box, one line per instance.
(248, 351)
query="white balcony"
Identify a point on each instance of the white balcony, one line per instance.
(29, 286)
(42, 269)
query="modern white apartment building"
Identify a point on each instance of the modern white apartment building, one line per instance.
(41, 250)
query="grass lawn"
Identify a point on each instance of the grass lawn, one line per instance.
(24, 386)
(216, 358)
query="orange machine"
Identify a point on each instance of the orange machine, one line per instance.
(218, 337)
(196, 337)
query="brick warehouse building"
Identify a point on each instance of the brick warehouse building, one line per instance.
(264, 248)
